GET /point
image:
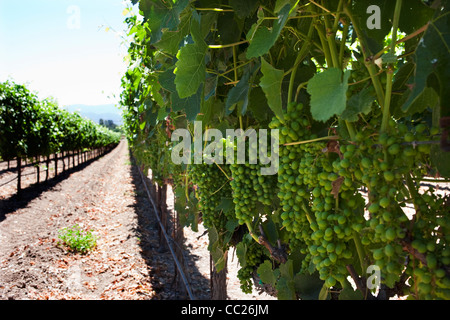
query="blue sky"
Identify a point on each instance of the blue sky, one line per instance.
(71, 50)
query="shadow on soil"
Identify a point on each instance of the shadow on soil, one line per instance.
(154, 253)
(16, 202)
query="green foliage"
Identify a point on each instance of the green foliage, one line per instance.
(328, 92)
(190, 67)
(356, 108)
(77, 239)
(432, 56)
(261, 38)
(30, 127)
(271, 83)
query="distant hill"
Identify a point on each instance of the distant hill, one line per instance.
(95, 113)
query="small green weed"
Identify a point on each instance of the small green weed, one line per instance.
(78, 240)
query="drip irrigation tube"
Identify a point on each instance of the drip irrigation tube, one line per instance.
(168, 239)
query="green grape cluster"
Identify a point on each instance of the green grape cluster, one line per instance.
(430, 277)
(212, 186)
(293, 192)
(254, 255)
(313, 197)
(388, 165)
(151, 151)
(252, 190)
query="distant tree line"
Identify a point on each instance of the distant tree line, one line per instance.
(109, 124)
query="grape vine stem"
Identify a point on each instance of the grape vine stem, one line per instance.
(312, 140)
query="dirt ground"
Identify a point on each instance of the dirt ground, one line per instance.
(107, 196)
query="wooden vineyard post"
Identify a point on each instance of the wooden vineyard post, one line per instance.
(63, 161)
(218, 281)
(47, 162)
(56, 164)
(19, 176)
(178, 236)
(162, 207)
(38, 168)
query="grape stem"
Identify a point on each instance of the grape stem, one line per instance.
(309, 214)
(359, 282)
(367, 56)
(301, 55)
(359, 250)
(390, 71)
(277, 253)
(229, 179)
(407, 246)
(250, 231)
(343, 42)
(312, 140)
(412, 35)
(219, 188)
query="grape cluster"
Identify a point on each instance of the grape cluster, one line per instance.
(253, 257)
(150, 150)
(212, 185)
(386, 164)
(252, 190)
(314, 198)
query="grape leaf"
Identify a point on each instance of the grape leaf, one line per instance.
(258, 105)
(210, 85)
(281, 3)
(358, 103)
(375, 36)
(243, 9)
(266, 273)
(285, 289)
(308, 286)
(170, 40)
(166, 80)
(190, 69)
(263, 39)
(287, 269)
(191, 105)
(324, 294)
(215, 248)
(413, 15)
(432, 56)
(389, 57)
(271, 82)
(439, 158)
(285, 285)
(349, 294)
(241, 250)
(188, 206)
(238, 93)
(328, 92)
(229, 28)
(401, 79)
(162, 15)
